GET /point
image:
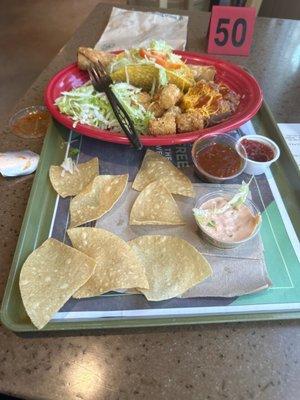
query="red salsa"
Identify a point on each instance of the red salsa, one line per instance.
(219, 160)
(258, 151)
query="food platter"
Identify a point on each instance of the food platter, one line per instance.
(182, 232)
(235, 77)
(125, 310)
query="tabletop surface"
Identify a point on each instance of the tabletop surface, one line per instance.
(225, 361)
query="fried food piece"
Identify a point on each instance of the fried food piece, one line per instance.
(175, 110)
(169, 96)
(206, 73)
(156, 109)
(163, 126)
(190, 121)
(86, 56)
(144, 98)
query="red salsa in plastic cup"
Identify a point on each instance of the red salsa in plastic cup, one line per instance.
(216, 159)
(257, 151)
(260, 152)
(219, 160)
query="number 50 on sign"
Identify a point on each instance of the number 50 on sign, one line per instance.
(231, 30)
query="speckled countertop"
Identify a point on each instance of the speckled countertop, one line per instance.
(235, 361)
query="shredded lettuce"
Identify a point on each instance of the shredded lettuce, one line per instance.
(73, 153)
(202, 216)
(164, 48)
(152, 91)
(162, 76)
(161, 46)
(174, 58)
(87, 106)
(127, 76)
(128, 97)
(212, 224)
(68, 165)
(239, 198)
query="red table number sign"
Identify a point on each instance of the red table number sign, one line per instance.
(231, 30)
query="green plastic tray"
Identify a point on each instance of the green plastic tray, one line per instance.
(37, 220)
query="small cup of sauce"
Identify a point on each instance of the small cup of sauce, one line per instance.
(216, 159)
(30, 122)
(260, 151)
(232, 227)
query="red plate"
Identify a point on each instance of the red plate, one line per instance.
(235, 77)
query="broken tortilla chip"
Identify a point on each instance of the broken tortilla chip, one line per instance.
(70, 184)
(155, 206)
(117, 266)
(97, 198)
(50, 276)
(156, 167)
(172, 265)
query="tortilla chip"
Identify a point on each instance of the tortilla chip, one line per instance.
(172, 265)
(155, 167)
(155, 206)
(117, 266)
(50, 276)
(67, 184)
(97, 198)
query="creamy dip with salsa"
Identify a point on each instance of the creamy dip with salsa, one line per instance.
(232, 225)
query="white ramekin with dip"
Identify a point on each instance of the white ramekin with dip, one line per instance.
(260, 151)
(227, 219)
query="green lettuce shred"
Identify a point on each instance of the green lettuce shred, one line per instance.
(86, 106)
(161, 46)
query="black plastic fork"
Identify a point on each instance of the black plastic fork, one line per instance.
(101, 82)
